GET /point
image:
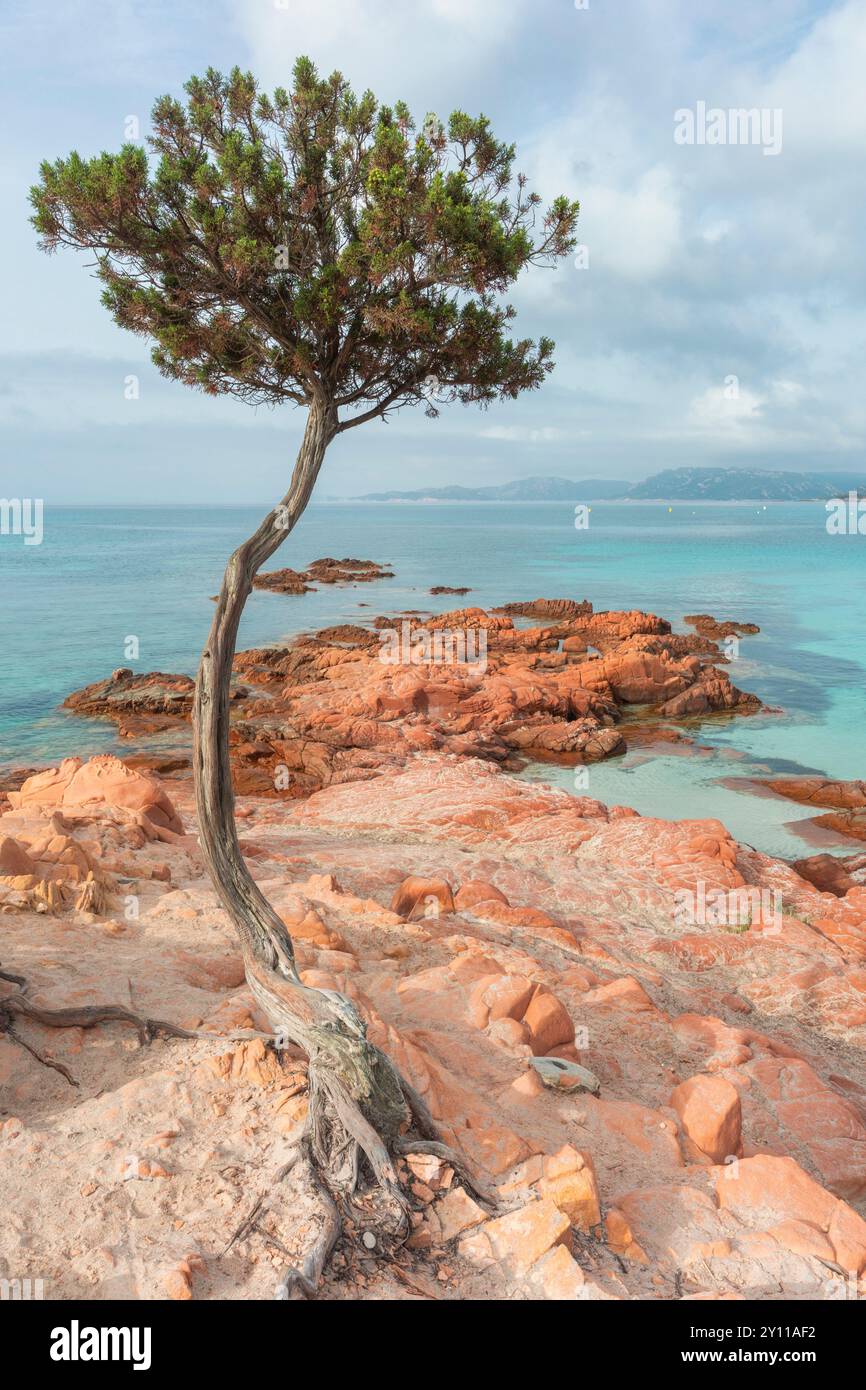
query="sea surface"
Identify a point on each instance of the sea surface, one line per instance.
(103, 575)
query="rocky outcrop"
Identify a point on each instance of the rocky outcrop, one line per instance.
(820, 791)
(70, 828)
(285, 581)
(833, 874)
(349, 701)
(490, 930)
(347, 571)
(847, 798)
(851, 823)
(718, 629)
(559, 609)
(325, 571)
(139, 704)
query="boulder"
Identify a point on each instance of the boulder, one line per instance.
(102, 781)
(710, 1114)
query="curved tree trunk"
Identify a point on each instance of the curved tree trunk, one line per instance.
(358, 1102)
(359, 1105)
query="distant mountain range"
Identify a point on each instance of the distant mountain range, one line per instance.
(744, 485)
(672, 485)
(524, 490)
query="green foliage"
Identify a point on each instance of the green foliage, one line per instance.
(312, 245)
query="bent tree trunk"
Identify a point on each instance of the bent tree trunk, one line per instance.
(358, 1102)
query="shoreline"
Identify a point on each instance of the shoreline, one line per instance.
(165, 741)
(265, 507)
(607, 1013)
(616, 1070)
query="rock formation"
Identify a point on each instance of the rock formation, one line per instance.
(333, 707)
(659, 1103)
(326, 571)
(848, 800)
(490, 930)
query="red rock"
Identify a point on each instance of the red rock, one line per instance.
(803, 1238)
(820, 791)
(500, 996)
(557, 608)
(717, 629)
(852, 823)
(548, 1022)
(620, 1237)
(103, 781)
(569, 1181)
(830, 873)
(517, 1239)
(453, 1214)
(558, 1276)
(509, 1033)
(829, 1127)
(14, 859)
(177, 1285)
(415, 896)
(672, 1223)
(710, 1114)
(625, 993)
(336, 712)
(767, 1191)
(283, 581)
(475, 891)
(45, 788)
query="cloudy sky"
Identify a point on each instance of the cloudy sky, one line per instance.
(719, 319)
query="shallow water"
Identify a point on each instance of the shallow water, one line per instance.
(103, 575)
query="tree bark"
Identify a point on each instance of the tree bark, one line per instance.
(357, 1099)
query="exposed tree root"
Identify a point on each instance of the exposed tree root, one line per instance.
(40, 1057)
(298, 1282)
(88, 1016)
(423, 1120)
(326, 1173)
(303, 1282)
(326, 1165)
(453, 1159)
(250, 1221)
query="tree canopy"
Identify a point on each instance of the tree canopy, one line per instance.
(313, 246)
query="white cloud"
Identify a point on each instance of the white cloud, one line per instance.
(717, 230)
(521, 434)
(820, 87)
(411, 51)
(703, 261)
(728, 409)
(636, 230)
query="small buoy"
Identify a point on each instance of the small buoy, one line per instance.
(670, 509)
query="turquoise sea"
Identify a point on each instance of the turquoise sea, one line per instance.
(104, 574)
